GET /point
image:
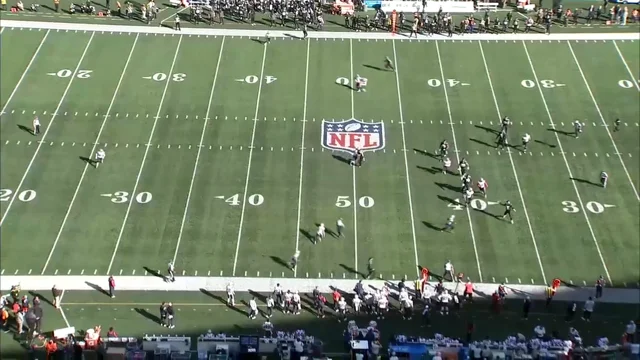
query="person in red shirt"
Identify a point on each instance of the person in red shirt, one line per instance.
(112, 333)
(556, 284)
(468, 290)
(495, 301)
(336, 298)
(51, 347)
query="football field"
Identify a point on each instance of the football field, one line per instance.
(224, 153)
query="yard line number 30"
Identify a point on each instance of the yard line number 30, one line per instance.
(572, 207)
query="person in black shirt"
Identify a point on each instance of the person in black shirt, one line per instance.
(508, 209)
(526, 308)
(163, 314)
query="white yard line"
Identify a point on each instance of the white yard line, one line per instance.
(64, 317)
(26, 70)
(406, 162)
(455, 144)
(48, 127)
(566, 162)
(631, 74)
(253, 137)
(353, 170)
(604, 122)
(172, 15)
(304, 123)
(144, 157)
(195, 166)
(513, 167)
(93, 149)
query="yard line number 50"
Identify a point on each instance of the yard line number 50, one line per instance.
(364, 201)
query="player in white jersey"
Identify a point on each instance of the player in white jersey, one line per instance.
(383, 305)
(483, 187)
(294, 260)
(604, 178)
(253, 309)
(320, 234)
(577, 128)
(295, 302)
(361, 83)
(270, 305)
(525, 141)
(288, 300)
(468, 195)
(446, 165)
(231, 295)
(357, 303)
(172, 272)
(100, 155)
(340, 227)
(342, 309)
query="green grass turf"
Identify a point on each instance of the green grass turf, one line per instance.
(134, 313)
(220, 236)
(332, 23)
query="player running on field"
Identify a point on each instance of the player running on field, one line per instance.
(577, 128)
(443, 149)
(616, 125)
(446, 166)
(448, 226)
(604, 178)
(467, 195)
(525, 141)
(463, 168)
(340, 227)
(388, 64)
(504, 125)
(501, 140)
(100, 155)
(508, 210)
(320, 234)
(293, 263)
(483, 187)
(361, 83)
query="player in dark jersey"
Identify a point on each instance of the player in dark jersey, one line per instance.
(388, 64)
(604, 178)
(508, 210)
(370, 269)
(504, 125)
(616, 125)
(443, 150)
(501, 140)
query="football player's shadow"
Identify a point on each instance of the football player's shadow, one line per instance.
(341, 159)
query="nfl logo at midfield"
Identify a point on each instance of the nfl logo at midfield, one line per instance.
(352, 134)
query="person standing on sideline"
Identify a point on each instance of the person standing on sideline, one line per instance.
(163, 314)
(571, 312)
(589, 305)
(270, 304)
(36, 126)
(340, 227)
(526, 308)
(468, 290)
(170, 314)
(177, 23)
(112, 287)
(57, 295)
(630, 332)
(253, 309)
(370, 270)
(448, 271)
(172, 272)
(599, 287)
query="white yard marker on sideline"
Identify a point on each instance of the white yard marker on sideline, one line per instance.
(355, 199)
(195, 166)
(604, 122)
(406, 162)
(513, 167)
(253, 137)
(146, 152)
(453, 133)
(566, 162)
(64, 317)
(631, 75)
(93, 149)
(48, 127)
(304, 123)
(26, 70)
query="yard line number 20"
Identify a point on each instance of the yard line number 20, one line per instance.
(24, 195)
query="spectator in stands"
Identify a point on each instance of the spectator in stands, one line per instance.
(375, 349)
(298, 349)
(51, 347)
(589, 305)
(486, 353)
(4, 318)
(630, 331)
(438, 356)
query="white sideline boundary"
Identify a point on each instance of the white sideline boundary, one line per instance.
(244, 284)
(132, 29)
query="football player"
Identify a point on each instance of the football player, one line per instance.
(443, 149)
(294, 260)
(577, 128)
(388, 64)
(358, 158)
(448, 227)
(231, 295)
(508, 209)
(361, 84)
(100, 155)
(171, 270)
(340, 227)
(464, 167)
(604, 178)
(467, 195)
(616, 125)
(504, 125)
(466, 181)
(525, 141)
(446, 165)
(483, 187)
(320, 233)
(501, 140)
(267, 38)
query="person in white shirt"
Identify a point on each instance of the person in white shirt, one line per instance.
(393, 356)
(100, 155)
(342, 309)
(231, 295)
(297, 307)
(357, 303)
(36, 125)
(589, 305)
(446, 165)
(253, 309)
(438, 356)
(320, 233)
(383, 303)
(444, 300)
(270, 304)
(448, 271)
(171, 269)
(268, 329)
(525, 141)
(340, 227)
(630, 331)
